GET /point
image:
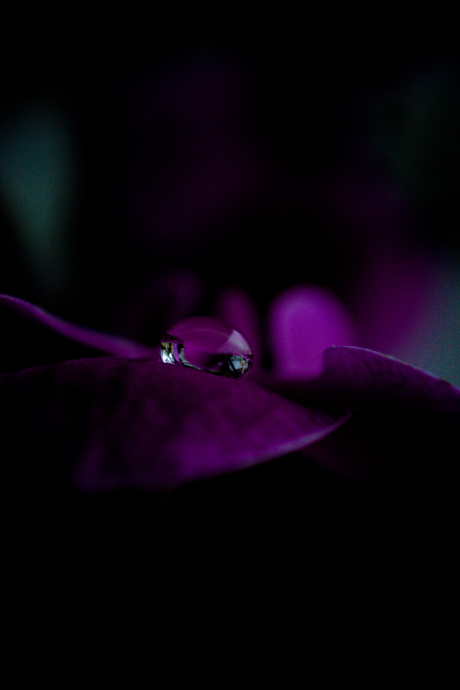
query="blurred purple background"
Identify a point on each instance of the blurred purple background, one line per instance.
(139, 185)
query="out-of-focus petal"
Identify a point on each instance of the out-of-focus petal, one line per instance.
(124, 424)
(303, 321)
(33, 337)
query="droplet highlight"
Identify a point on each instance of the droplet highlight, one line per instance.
(207, 344)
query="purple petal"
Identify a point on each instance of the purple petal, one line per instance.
(140, 424)
(33, 337)
(405, 422)
(357, 376)
(365, 376)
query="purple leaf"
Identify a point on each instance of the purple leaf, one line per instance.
(359, 376)
(141, 424)
(33, 337)
(405, 421)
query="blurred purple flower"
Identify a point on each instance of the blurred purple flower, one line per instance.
(127, 421)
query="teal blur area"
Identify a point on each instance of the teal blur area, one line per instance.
(252, 164)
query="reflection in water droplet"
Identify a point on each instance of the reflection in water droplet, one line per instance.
(209, 345)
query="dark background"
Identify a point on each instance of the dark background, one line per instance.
(313, 103)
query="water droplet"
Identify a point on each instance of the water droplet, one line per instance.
(207, 344)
